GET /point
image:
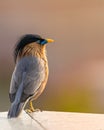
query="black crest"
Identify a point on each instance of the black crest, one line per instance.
(26, 39)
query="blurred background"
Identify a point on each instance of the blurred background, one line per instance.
(76, 59)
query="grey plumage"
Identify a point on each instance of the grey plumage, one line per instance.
(27, 78)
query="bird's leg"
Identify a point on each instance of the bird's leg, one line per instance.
(31, 108)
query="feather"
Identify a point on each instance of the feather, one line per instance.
(25, 40)
(27, 78)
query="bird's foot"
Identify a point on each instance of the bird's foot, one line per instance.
(28, 111)
(32, 110)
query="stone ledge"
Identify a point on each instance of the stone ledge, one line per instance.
(50, 120)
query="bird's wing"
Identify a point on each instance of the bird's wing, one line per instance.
(29, 71)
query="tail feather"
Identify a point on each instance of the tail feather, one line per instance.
(17, 105)
(15, 110)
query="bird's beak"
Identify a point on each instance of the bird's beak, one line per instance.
(49, 40)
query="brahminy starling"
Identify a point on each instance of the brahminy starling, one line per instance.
(30, 74)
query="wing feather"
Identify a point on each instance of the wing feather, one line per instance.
(34, 70)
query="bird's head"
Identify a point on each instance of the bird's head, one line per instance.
(28, 39)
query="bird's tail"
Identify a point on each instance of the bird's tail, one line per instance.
(15, 110)
(17, 105)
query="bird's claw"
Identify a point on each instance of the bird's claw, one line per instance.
(32, 110)
(28, 111)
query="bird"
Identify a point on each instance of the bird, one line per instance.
(30, 73)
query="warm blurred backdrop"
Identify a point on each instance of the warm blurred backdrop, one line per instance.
(76, 59)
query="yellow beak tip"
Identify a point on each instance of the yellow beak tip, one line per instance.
(50, 40)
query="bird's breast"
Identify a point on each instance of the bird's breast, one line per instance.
(43, 84)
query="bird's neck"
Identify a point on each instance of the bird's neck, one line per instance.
(34, 49)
